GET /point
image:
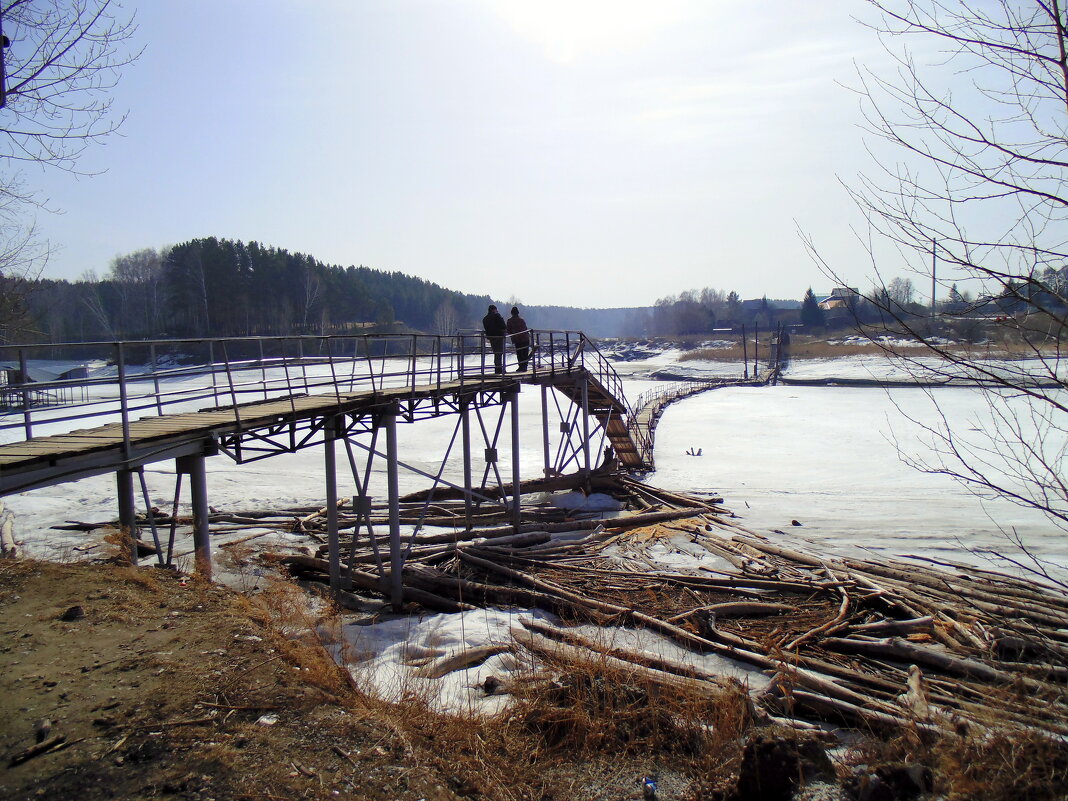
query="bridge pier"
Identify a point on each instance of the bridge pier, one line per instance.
(396, 558)
(465, 434)
(516, 479)
(547, 454)
(333, 540)
(127, 513)
(194, 467)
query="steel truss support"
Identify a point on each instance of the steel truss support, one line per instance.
(585, 389)
(465, 425)
(396, 559)
(547, 469)
(361, 503)
(517, 495)
(330, 469)
(573, 447)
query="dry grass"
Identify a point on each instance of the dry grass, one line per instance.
(588, 708)
(995, 763)
(1000, 344)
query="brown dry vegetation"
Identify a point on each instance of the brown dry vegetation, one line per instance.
(807, 346)
(159, 687)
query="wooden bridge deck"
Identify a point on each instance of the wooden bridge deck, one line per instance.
(46, 460)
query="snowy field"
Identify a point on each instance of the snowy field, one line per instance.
(828, 457)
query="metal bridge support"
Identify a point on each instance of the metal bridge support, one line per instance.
(396, 558)
(333, 542)
(127, 512)
(465, 433)
(586, 427)
(547, 471)
(516, 494)
(193, 466)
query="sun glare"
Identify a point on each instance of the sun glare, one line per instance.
(568, 30)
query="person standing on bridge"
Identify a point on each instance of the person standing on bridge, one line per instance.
(494, 326)
(517, 330)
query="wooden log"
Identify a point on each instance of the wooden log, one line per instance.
(914, 625)
(833, 708)
(981, 599)
(644, 658)
(577, 655)
(899, 650)
(51, 744)
(460, 660)
(786, 553)
(728, 645)
(737, 609)
(792, 675)
(837, 622)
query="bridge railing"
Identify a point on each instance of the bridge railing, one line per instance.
(48, 388)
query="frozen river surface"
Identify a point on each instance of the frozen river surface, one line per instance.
(831, 459)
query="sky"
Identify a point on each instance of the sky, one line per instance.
(594, 153)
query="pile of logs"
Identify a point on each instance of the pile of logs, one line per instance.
(875, 644)
(878, 645)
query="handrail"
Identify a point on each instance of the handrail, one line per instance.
(131, 380)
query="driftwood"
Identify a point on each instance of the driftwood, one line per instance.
(563, 652)
(882, 645)
(643, 658)
(460, 660)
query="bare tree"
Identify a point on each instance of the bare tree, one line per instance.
(446, 320)
(65, 57)
(55, 80)
(137, 278)
(977, 110)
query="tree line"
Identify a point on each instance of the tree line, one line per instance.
(213, 287)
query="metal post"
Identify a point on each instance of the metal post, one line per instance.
(756, 350)
(545, 429)
(24, 379)
(263, 370)
(211, 368)
(127, 512)
(516, 494)
(934, 271)
(586, 425)
(745, 353)
(124, 403)
(396, 559)
(155, 378)
(465, 429)
(193, 466)
(333, 541)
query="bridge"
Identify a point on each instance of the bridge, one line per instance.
(253, 398)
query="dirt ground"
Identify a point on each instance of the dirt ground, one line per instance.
(150, 685)
(160, 686)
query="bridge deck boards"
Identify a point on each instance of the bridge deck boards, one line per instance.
(245, 417)
(205, 423)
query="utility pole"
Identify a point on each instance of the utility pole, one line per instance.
(934, 270)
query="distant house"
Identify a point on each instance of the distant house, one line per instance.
(842, 297)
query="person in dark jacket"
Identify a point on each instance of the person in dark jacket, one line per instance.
(494, 326)
(517, 330)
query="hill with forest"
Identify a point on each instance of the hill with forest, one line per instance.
(214, 287)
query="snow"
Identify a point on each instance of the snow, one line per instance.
(594, 502)
(385, 657)
(829, 458)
